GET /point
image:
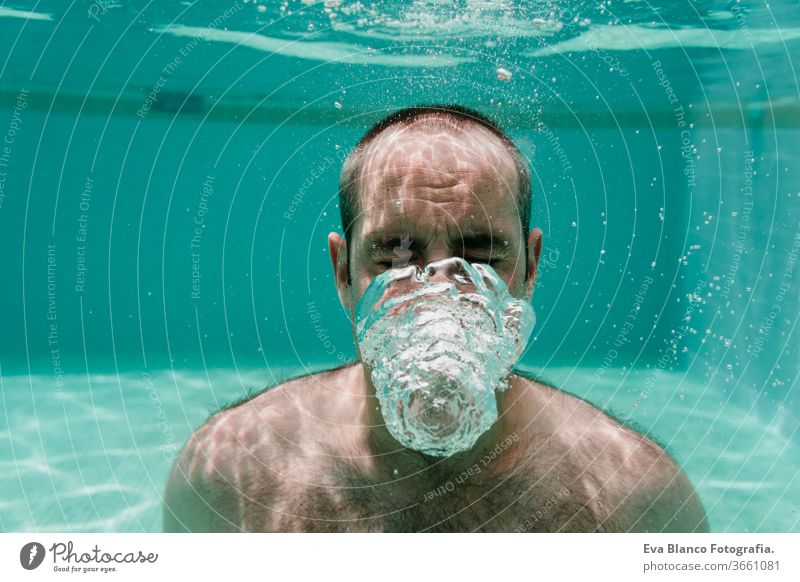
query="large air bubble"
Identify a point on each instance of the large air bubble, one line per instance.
(439, 342)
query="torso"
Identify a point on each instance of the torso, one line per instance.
(513, 505)
(572, 470)
(294, 459)
(347, 500)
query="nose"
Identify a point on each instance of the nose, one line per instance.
(451, 270)
(437, 250)
(447, 267)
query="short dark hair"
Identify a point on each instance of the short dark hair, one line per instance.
(428, 117)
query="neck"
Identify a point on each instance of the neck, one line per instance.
(389, 455)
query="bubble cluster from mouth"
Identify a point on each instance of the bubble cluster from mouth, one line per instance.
(439, 342)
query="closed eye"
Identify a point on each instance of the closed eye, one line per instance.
(490, 260)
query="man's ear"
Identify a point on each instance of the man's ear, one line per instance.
(534, 252)
(338, 249)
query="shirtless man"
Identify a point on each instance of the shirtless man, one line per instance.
(314, 454)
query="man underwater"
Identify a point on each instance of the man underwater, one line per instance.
(429, 430)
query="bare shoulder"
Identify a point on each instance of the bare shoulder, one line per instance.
(629, 481)
(239, 453)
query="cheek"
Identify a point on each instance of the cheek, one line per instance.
(514, 278)
(360, 282)
(512, 282)
(360, 276)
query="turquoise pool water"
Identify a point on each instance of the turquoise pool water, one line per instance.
(96, 458)
(168, 178)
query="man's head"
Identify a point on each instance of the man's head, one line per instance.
(430, 182)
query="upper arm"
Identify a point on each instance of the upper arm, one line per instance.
(667, 500)
(196, 491)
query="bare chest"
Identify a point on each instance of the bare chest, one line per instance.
(506, 504)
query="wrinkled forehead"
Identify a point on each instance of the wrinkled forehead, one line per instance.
(472, 156)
